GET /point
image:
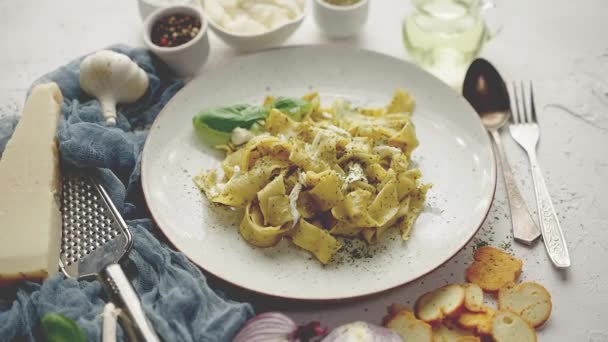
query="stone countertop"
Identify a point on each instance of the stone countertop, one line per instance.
(560, 45)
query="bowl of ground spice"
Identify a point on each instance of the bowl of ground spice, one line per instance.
(178, 36)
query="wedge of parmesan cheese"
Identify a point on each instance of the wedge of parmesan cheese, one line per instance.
(30, 187)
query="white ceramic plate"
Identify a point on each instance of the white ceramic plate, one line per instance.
(454, 154)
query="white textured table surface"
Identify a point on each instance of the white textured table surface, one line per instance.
(561, 45)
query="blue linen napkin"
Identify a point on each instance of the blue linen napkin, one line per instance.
(174, 293)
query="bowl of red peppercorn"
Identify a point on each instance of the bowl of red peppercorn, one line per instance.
(178, 36)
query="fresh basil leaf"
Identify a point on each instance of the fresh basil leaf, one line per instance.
(225, 119)
(59, 328)
(208, 135)
(295, 108)
(214, 125)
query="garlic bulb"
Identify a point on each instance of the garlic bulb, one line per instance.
(362, 332)
(112, 78)
(110, 313)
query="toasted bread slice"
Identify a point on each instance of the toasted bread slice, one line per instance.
(443, 302)
(508, 326)
(405, 323)
(480, 322)
(393, 309)
(529, 300)
(473, 297)
(448, 332)
(493, 269)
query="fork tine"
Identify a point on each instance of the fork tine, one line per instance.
(525, 115)
(517, 111)
(532, 106)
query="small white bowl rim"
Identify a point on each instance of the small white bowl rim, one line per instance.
(338, 8)
(156, 14)
(217, 27)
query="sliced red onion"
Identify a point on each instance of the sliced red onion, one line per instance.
(362, 332)
(276, 327)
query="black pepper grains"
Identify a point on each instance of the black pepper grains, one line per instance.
(175, 30)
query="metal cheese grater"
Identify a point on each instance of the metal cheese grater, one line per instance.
(94, 240)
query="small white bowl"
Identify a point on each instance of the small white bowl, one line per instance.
(146, 7)
(185, 59)
(341, 21)
(258, 41)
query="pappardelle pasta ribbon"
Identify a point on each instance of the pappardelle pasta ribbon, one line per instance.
(340, 171)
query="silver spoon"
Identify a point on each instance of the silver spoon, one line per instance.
(486, 92)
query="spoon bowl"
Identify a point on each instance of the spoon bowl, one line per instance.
(487, 93)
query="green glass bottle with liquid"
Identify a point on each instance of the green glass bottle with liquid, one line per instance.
(444, 36)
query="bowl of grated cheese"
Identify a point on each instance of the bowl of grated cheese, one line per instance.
(249, 25)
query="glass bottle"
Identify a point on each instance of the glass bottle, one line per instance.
(444, 36)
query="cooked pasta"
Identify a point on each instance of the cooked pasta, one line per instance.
(339, 171)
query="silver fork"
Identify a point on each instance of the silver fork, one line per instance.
(525, 131)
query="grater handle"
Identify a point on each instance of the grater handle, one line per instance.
(123, 292)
